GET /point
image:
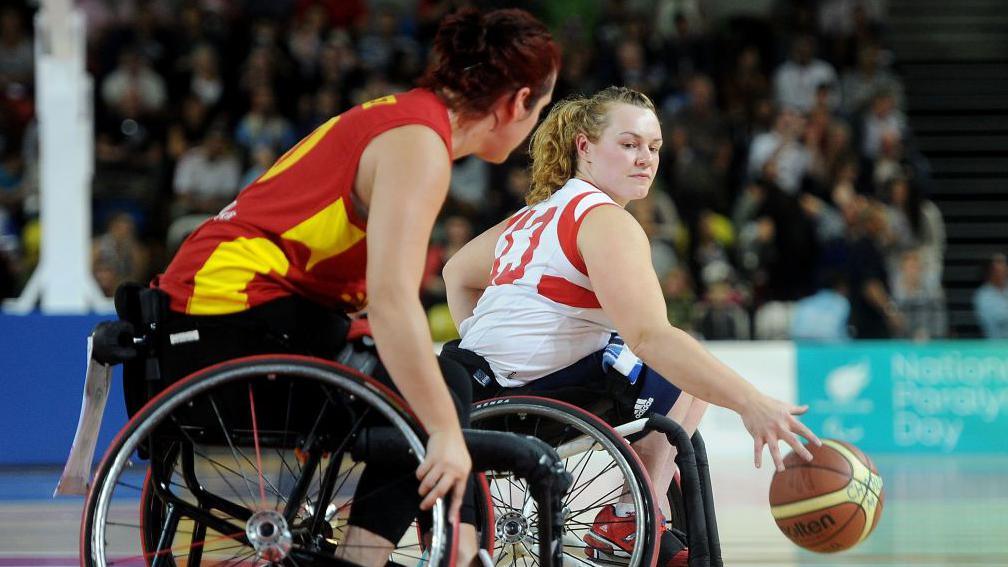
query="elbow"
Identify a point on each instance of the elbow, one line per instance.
(450, 271)
(647, 341)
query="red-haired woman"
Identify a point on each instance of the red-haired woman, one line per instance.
(344, 219)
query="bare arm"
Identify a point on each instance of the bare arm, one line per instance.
(627, 288)
(410, 169)
(467, 273)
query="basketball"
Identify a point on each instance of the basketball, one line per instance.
(831, 503)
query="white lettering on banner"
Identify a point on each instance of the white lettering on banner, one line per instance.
(986, 403)
(950, 368)
(933, 396)
(910, 429)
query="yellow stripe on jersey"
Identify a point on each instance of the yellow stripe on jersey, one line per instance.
(327, 233)
(220, 284)
(298, 151)
(388, 99)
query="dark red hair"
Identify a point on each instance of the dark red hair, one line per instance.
(478, 57)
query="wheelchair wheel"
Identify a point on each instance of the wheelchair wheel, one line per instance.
(605, 471)
(248, 463)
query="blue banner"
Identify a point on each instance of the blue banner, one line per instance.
(903, 397)
(42, 362)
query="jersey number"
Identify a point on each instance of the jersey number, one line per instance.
(510, 264)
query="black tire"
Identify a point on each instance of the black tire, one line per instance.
(129, 511)
(558, 423)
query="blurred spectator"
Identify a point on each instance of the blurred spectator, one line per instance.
(129, 150)
(204, 80)
(384, 43)
(883, 124)
(16, 52)
(680, 298)
(703, 156)
(859, 85)
(919, 299)
(117, 254)
(687, 50)
(134, 77)
(779, 156)
(306, 38)
(915, 223)
(796, 80)
(990, 302)
(720, 316)
(823, 316)
(778, 245)
(456, 232)
(657, 216)
(873, 313)
(632, 68)
(263, 158)
(316, 108)
(342, 13)
(339, 68)
(745, 86)
(714, 239)
(188, 128)
(847, 26)
(668, 13)
(772, 321)
(263, 125)
(207, 176)
(470, 184)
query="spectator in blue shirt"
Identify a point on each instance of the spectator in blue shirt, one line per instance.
(823, 316)
(991, 300)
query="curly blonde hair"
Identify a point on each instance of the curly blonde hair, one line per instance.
(554, 156)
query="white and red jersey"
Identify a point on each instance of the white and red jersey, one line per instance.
(539, 314)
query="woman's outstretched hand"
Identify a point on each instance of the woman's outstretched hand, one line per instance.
(769, 421)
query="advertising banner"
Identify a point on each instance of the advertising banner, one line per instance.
(903, 397)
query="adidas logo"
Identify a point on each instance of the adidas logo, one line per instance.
(641, 406)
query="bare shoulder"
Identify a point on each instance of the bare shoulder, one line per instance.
(609, 223)
(412, 153)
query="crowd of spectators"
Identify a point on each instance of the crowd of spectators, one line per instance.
(790, 200)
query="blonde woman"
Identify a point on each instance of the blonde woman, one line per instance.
(564, 290)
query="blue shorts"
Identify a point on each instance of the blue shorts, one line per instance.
(654, 394)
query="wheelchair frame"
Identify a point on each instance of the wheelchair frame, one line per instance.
(527, 458)
(694, 505)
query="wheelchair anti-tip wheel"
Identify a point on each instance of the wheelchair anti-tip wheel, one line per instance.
(605, 471)
(248, 463)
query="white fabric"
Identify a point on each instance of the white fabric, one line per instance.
(522, 334)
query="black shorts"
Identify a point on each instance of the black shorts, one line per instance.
(586, 384)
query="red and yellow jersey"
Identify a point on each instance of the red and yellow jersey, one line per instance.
(295, 230)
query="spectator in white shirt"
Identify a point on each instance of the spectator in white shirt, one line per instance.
(207, 176)
(779, 154)
(798, 78)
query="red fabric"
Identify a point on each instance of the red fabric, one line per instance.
(269, 207)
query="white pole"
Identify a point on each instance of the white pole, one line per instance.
(63, 282)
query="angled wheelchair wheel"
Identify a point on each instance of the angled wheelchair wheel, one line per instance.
(605, 471)
(246, 463)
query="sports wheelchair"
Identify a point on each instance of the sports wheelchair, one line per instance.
(576, 422)
(255, 462)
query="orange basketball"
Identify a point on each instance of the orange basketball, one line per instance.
(830, 503)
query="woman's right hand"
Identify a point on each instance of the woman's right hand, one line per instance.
(769, 421)
(445, 469)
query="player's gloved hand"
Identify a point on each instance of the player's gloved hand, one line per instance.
(619, 357)
(769, 421)
(444, 470)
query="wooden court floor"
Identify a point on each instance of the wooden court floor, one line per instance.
(950, 510)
